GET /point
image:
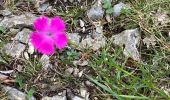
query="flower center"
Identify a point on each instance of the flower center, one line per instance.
(49, 34)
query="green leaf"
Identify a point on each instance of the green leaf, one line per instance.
(107, 4)
(119, 97)
(20, 82)
(110, 11)
(30, 93)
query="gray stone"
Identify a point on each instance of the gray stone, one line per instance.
(95, 13)
(26, 55)
(14, 20)
(84, 93)
(5, 12)
(117, 9)
(13, 31)
(45, 61)
(82, 23)
(43, 7)
(75, 73)
(30, 48)
(14, 94)
(77, 98)
(74, 39)
(23, 36)
(93, 43)
(14, 49)
(55, 98)
(69, 71)
(129, 38)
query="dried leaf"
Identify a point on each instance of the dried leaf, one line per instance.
(149, 41)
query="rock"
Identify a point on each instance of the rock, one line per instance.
(74, 39)
(26, 19)
(30, 48)
(3, 77)
(75, 73)
(14, 94)
(13, 31)
(93, 43)
(26, 55)
(83, 92)
(71, 96)
(108, 18)
(80, 73)
(14, 49)
(45, 61)
(43, 7)
(5, 12)
(130, 39)
(80, 63)
(82, 24)
(88, 83)
(99, 27)
(7, 72)
(95, 13)
(77, 98)
(117, 9)
(23, 36)
(55, 98)
(19, 68)
(79, 1)
(69, 71)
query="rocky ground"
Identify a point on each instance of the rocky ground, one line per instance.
(118, 49)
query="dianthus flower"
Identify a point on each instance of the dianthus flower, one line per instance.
(49, 33)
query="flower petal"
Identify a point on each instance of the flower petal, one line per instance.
(41, 24)
(57, 24)
(42, 43)
(60, 40)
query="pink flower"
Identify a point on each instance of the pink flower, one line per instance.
(49, 33)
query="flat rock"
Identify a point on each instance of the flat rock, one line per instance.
(14, 94)
(93, 43)
(129, 39)
(26, 19)
(5, 12)
(95, 13)
(23, 36)
(14, 49)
